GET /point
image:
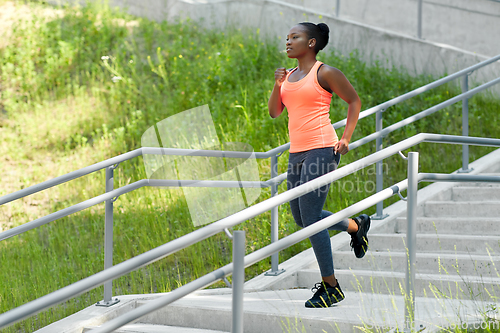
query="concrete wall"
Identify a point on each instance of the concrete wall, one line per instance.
(470, 25)
(275, 18)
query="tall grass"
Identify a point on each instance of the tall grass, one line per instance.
(81, 84)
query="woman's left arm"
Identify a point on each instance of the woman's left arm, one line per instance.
(342, 87)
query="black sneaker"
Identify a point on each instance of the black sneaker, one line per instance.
(325, 295)
(359, 240)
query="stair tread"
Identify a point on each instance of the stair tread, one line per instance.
(480, 185)
(442, 236)
(422, 276)
(487, 188)
(427, 255)
(462, 202)
(458, 219)
(152, 328)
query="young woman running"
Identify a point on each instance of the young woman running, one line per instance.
(306, 92)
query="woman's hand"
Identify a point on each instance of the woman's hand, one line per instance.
(280, 75)
(342, 146)
(275, 105)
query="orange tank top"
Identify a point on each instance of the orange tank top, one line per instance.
(308, 106)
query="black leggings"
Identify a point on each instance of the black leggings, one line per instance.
(308, 209)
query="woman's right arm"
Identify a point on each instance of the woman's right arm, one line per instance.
(275, 105)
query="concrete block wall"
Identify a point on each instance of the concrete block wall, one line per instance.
(469, 25)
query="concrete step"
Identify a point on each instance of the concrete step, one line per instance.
(475, 193)
(452, 225)
(480, 184)
(428, 263)
(267, 311)
(284, 311)
(462, 209)
(435, 243)
(149, 328)
(393, 283)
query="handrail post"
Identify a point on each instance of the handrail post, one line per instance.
(419, 19)
(411, 240)
(379, 166)
(108, 239)
(465, 125)
(238, 280)
(275, 259)
(337, 9)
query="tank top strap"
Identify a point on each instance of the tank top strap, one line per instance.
(313, 73)
(316, 67)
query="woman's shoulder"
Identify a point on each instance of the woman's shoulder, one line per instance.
(328, 71)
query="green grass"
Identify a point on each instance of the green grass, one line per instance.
(60, 110)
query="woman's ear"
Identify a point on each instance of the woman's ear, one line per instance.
(312, 42)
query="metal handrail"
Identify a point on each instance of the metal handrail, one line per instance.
(125, 157)
(129, 188)
(422, 114)
(384, 106)
(443, 177)
(182, 242)
(140, 151)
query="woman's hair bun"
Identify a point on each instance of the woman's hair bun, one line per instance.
(324, 28)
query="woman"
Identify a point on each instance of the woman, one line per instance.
(315, 149)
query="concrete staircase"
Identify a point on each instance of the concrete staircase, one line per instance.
(457, 280)
(458, 246)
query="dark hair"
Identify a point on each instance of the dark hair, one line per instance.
(319, 31)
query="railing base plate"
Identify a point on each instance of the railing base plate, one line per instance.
(109, 303)
(379, 217)
(465, 171)
(275, 273)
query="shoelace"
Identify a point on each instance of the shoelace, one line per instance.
(317, 287)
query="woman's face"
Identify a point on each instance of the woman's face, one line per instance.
(297, 43)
